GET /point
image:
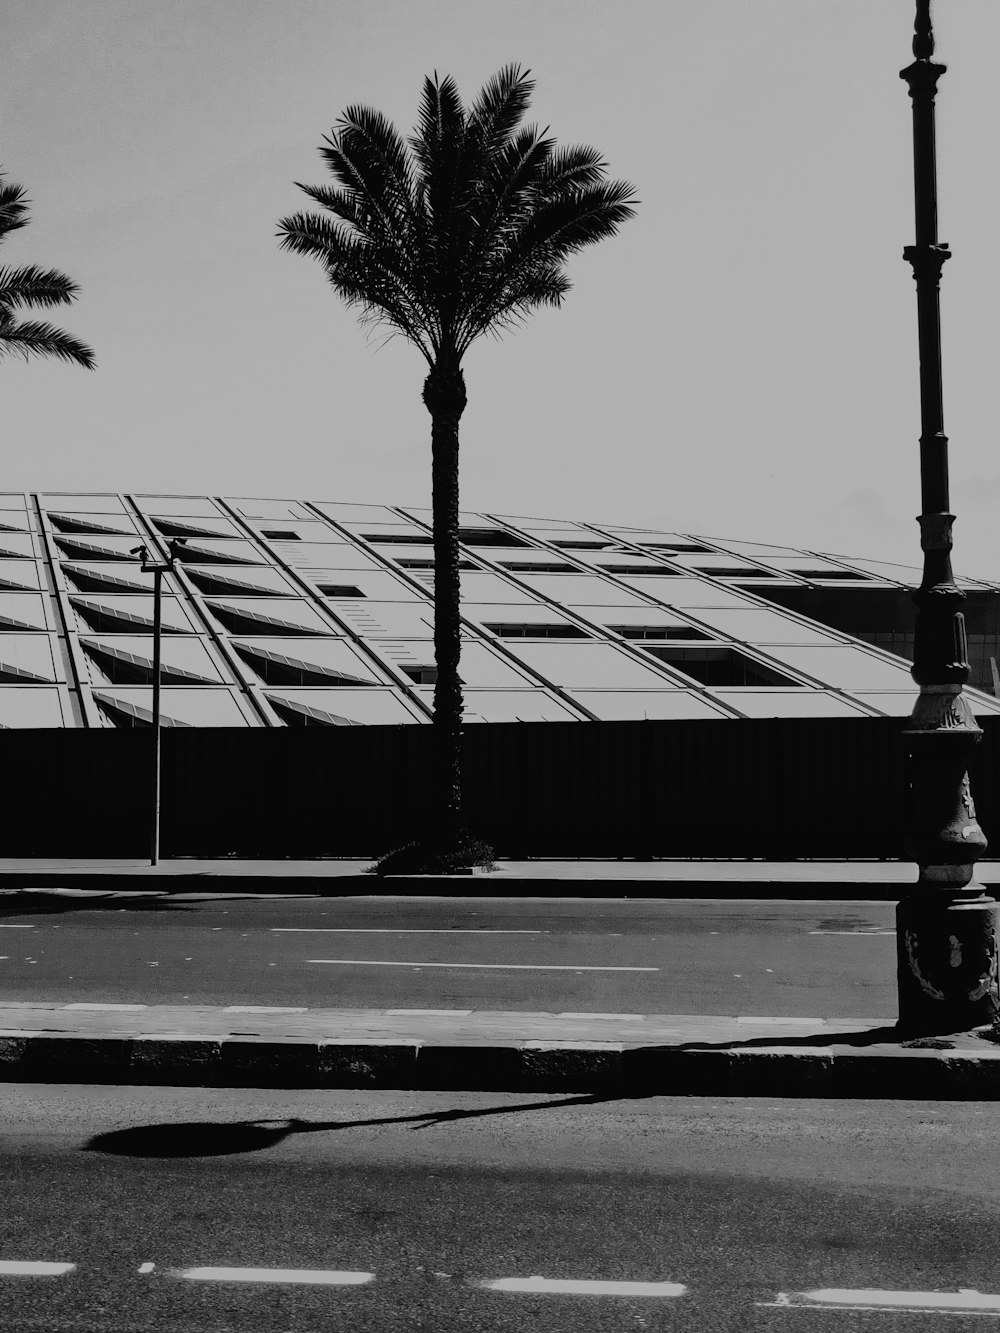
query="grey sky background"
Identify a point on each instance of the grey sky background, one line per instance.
(740, 361)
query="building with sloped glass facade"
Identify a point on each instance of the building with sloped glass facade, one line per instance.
(286, 613)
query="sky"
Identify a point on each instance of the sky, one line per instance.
(739, 361)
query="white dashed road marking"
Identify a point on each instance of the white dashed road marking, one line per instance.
(146, 1268)
(584, 1287)
(386, 930)
(927, 1302)
(321, 1276)
(443, 1013)
(852, 932)
(105, 1008)
(7, 926)
(32, 1268)
(262, 1009)
(502, 967)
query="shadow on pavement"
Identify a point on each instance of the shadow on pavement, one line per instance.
(29, 903)
(207, 1138)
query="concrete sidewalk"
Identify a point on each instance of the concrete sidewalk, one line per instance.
(605, 1055)
(884, 880)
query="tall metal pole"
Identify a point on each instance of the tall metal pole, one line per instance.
(946, 926)
(154, 831)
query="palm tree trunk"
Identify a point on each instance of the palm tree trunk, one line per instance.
(445, 398)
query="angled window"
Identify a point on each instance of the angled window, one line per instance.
(414, 538)
(91, 523)
(22, 610)
(262, 616)
(489, 537)
(280, 668)
(129, 615)
(658, 632)
(539, 567)
(340, 590)
(109, 579)
(279, 535)
(575, 544)
(553, 629)
(121, 665)
(112, 548)
(650, 567)
(719, 666)
(233, 552)
(256, 582)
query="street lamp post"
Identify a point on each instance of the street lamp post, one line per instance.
(157, 569)
(946, 927)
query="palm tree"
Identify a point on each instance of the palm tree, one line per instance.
(22, 288)
(462, 230)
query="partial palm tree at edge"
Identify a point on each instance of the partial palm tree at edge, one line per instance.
(460, 231)
(30, 286)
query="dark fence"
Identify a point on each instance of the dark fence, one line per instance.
(779, 789)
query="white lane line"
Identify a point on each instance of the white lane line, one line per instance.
(926, 1302)
(502, 967)
(445, 1013)
(585, 1287)
(626, 1018)
(33, 1268)
(852, 932)
(386, 930)
(104, 1008)
(263, 1009)
(146, 1268)
(329, 1277)
(5, 926)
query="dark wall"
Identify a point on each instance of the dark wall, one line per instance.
(785, 788)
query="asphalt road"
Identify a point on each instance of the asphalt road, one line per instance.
(808, 960)
(397, 1211)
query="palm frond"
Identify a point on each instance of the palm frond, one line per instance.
(13, 207)
(33, 286)
(33, 338)
(500, 108)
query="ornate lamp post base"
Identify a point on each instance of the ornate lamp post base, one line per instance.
(947, 927)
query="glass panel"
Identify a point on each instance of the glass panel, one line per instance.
(626, 705)
(626, 618)
(479, 665)
(787, 703)
(844, 666)
(286, 615)
(67, 546)
(688, 592)
(349, 514)
(379, 585)
(132, 705)
(205, 551)
(25, 657)
(121, 659)
(31, 706)
(333, 554)
(179, 506)
(370, 707)
(109, 524)
(269, 509)
(524, 613)
(585, 665)
(584, 589)
(379, 620)
(754, 624)
(541, 527)
(22, 609)
(480, 586)
(128, 615)
(513, 706)
(281, 661)
(313, 530)
(183, 526)
(18, 574)
(893, 703)
(84, 504)
(14, 544)
(239, 580)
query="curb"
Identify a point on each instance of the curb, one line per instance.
(610, 1069)
(452, 886)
